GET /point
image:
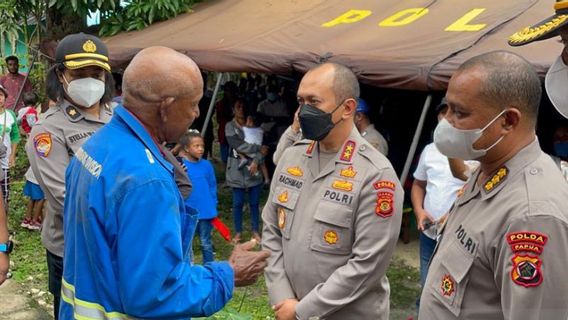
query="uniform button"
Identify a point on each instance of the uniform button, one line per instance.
(363, 148)
(533, 171)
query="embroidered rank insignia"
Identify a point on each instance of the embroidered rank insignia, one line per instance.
(72, 112)
(348, 173)
(295, 171)
(283, 197)
(384, 184)
(342, 185)
(526, 270)
(330, 237)
(385, 206)
(281, 218)
(496, 180)
(42, 144)
(347, 152)
(310, 148)
(448, 285)
(89, 46)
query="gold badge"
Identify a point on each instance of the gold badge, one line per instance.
(342, 185)
(496, 179)
(448, 285)
(331, 237)
(295, 171)
(89, 46)
(281, 218)
(348, 173)
(283, 197)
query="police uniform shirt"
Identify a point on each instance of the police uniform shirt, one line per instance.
(52, 143)
(376, 139)
(331, 231)
(503, 250)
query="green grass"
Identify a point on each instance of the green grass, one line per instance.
(29, 267)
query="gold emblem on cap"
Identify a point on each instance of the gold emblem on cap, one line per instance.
(89, 46)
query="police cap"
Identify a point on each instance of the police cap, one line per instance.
(80, 50)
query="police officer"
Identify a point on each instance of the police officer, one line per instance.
(368, 130)
(334, 211)
(502, 251)
(556, 79)
(81, 84)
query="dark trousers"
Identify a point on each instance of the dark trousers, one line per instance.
(55, 269)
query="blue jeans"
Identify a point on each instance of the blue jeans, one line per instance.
(204, 231)
(239, 201)
(427, 247)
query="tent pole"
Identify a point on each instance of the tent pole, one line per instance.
(212, 103)
(414, 144)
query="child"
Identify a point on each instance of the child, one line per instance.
(27, 116)
(253, 135)
(33, 217)
(204, 195)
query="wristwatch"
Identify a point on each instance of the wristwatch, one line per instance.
(7, 247)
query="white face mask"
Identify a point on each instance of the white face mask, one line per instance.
(555, 84)
(85, 91)
(458, 143)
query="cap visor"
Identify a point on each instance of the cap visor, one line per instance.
(77, 64)
(545, 29)
(555, 83)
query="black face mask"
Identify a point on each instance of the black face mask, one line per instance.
(315, 123)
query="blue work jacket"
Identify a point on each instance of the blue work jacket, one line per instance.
(124, 227)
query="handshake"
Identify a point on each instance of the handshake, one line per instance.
(247, 264)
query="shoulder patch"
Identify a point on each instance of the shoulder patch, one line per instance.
(385, 204)
(42, 144)
(526, 270)
(384, 184)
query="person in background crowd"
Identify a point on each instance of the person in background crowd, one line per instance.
(333, 215)
(224, 115)
(202, 177)
(117, 99)
(434, 190)
(81, 84)
(5, 245)
(560, 144)
(13, 82)
(367, 129)
(246, 179)
(10, 135)
(199, 122)
(502, 248)
(120, 263)
(28, 116)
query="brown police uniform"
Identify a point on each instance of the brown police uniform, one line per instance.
(376, 139)
(331, 232)
(503, 250)
(52, 143)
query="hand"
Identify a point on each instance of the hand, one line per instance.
(4, 266)
(264, 150)
(247, 264)
(296, 122)
(253, 168)
(285, 309)
(422, 217)
(11, 162)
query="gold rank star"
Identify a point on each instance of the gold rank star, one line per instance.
(72, 112)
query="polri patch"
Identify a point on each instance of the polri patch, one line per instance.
(526, 270)
(385, 204)
(42, 144)
(338, 197)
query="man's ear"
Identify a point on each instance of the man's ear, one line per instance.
(163, 108)
(349, 109)
(512, 119)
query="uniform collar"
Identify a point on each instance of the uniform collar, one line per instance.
(75, 114)
(500, 177)
(345, 155)
(140, 131)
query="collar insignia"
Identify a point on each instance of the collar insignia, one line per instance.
(496, 180)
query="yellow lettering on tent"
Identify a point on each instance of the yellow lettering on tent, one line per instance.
(404, 17)
(462, 23)
(350, 16)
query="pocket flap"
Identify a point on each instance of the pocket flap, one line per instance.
(458, 268)
(331, 213)
(285, 197)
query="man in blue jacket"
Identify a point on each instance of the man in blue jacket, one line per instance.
(124, 218)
